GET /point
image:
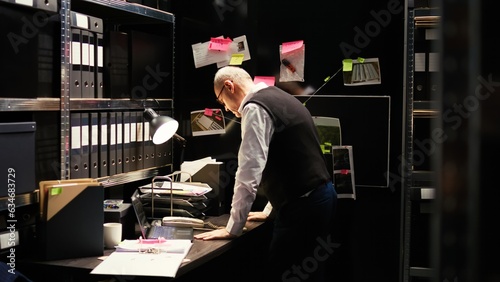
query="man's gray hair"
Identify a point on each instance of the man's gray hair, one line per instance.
(235, 74)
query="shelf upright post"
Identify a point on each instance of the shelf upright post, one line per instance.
(65, 84)
(407, 146)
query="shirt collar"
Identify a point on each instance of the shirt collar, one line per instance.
(256, 88)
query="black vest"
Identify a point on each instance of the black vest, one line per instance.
(295, 162)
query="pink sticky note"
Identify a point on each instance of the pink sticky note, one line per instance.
(219, 44)
(268, 80)
(290, 46)
(208, 112)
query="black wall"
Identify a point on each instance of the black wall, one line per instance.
(368, 228)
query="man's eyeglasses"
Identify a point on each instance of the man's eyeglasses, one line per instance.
(220, 93)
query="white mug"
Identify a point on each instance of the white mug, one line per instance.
(112, 234)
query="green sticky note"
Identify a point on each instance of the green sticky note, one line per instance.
(324, 149)
(361, 60)
(236, 59)
(55, 191)
(347, 65)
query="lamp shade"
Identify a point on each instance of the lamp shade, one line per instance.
(161, 128)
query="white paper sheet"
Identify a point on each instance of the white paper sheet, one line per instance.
(164, 264)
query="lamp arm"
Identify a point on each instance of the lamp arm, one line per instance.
(180, 139)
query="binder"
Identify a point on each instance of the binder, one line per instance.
(139, 145)
(85, 34)
(103, 146)
(119, 142)
(149, 147)
(92, 66)
(433, 75)
(94, 146)
(79, 54)
(133, 141)
(112, 143)
(96, 55)
(420, 76)
(126, 142)
(76, 146)
(45, 5)
(76, 65)
(85, 141)
(100, 66)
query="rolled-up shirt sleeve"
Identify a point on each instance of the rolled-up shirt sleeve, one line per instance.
(256, 132)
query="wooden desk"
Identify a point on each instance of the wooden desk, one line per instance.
(199, 257)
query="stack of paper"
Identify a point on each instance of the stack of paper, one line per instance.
(177, 188)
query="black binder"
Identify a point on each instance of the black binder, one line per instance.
(149, 147)
(119, 142)
(126, 142)
(140, 140)
(85, 35)
(76, 146)
(92, 69)
(134, 151)
(85, 145)
(76, 64)
(103, 144)
(100, 66)
(94, 146)
(96, 55)
(112, 143)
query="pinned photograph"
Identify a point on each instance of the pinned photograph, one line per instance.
(207, 122)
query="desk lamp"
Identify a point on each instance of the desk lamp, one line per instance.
(162, 128)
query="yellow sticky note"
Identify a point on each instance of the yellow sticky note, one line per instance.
(236, 59)
(361, 60)
(55, 191)
(347, 65)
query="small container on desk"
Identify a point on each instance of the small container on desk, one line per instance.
(123, 214)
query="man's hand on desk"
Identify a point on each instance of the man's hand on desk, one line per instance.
(257, 216)
(215, 234)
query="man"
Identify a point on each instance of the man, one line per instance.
(279, 153)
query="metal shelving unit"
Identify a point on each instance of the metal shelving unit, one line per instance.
(418, 184)
(114, 13)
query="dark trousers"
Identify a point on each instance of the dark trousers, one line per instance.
(302, 240)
